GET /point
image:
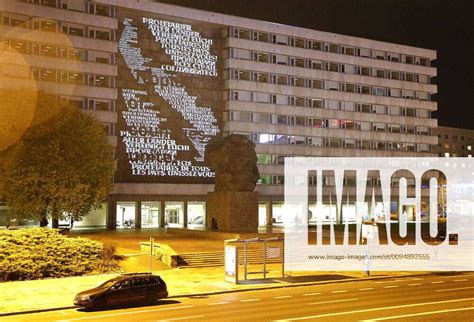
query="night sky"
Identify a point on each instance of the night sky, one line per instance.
(444, 25)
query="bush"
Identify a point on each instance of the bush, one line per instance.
(41, 252)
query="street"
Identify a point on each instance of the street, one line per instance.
(440, 297)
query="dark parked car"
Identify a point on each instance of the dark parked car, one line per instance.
(124, 290)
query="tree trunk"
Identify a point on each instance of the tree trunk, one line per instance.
(55, 223)
(44, 222)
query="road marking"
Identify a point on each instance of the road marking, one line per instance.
(366, 289)
(414, 284)
(311, 294)
(340, 291)
(437, 282)
(462, 280)
(390, 286)
(128, 313)
(218, 303)
(335, 301)
(186, 318)
(250, 300)
(391, 281)
(454, 289)
(376, 309)
(422, 313)
(282, 297)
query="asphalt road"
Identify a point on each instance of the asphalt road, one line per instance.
(427, 298)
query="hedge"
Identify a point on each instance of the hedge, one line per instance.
(35, 253)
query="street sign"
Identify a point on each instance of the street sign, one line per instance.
(231, 264)
(273, 252)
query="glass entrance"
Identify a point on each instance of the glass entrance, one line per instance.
(174, 214)
(150, 214)
(125, 215)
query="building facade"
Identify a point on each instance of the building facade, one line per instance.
(164, 80)
(454, 142)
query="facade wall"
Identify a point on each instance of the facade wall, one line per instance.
(454, 142)
(293, 91)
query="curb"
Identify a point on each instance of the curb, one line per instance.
(37, 311)
(237, 291)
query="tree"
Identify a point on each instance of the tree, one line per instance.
(63, 165)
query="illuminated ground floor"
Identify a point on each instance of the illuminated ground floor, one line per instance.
(126, 212)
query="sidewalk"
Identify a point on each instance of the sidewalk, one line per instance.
(48, 294)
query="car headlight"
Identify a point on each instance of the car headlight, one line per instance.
(84, 298)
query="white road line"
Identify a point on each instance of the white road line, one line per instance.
(421, 313)
(335, 301)
(366, 289)
(311, 294)
(339, 291)
(376, 309)
(454, 289)
(416, 279)
(282, 297)
(437, 282)
(219, 303)
(390, 286)
(250, 300)
(462, 280)
(185, 318)
(391, 281)
(130, 312)
(414, 284)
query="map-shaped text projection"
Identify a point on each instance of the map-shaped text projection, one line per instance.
(152, 145)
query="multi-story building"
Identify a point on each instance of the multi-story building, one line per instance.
(454, 142)
(164, 80)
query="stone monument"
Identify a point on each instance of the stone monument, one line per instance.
(234, 204)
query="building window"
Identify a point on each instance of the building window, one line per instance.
(196, 214)
(174, 214)
(150, 214)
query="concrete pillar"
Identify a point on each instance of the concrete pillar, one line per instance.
(162, 214)
(269, 214)
(112, 215)
(185, 215)
(138, 214)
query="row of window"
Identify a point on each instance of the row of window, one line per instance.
(316, 122)
(76, 5)
(278, 99)
(454, 146)
(455, 137)
(328, 47)
(326, 66)
(59, 76)
(73, 29)
(41, 49)
(286, 80)
(329, 181)
(94, 104)
(51, 75)
(325, 142)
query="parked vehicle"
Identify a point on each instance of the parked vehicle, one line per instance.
(124, 290)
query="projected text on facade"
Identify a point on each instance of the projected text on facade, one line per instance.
(165, 123)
